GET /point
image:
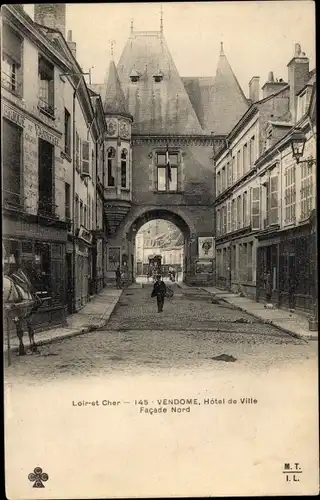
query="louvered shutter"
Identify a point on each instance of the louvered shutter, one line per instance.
(85, 158)
(255, 208)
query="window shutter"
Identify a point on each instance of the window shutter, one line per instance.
(273, 201)
(255, 208)
(228, 216)
(85, 157)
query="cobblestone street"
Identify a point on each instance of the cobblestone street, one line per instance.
(187, 335)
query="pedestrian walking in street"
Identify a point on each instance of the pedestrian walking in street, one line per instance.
(118, 278)
(159, 291)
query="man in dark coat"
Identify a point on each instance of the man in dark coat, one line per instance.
(118, 277)
(159, 291)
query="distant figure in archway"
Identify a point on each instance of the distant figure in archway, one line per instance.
(159, 291)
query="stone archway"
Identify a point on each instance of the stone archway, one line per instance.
(180, 221)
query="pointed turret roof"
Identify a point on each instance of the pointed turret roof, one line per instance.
(227, 102)
(113, 97)
(158, 105)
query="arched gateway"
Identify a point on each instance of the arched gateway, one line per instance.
(162, 133)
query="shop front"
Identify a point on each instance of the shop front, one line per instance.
(40, 251)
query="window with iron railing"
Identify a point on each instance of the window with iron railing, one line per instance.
(46, 86)
(11, 69)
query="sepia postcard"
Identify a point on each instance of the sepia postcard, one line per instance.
(159, 250)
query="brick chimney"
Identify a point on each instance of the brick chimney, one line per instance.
(298, 76)
(254, 89)
(72, 45)
(272, 86)
(51, 15)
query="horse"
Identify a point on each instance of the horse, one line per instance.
(20, 302)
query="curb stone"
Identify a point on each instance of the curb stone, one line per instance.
(268, 321)
(74, 333)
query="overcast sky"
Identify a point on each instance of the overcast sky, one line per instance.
(258, 36)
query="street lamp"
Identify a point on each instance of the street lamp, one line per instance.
(298, 142)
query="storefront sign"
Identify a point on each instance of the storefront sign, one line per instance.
(13, 115)
(33, 230)
(46, 135)
(206, 247)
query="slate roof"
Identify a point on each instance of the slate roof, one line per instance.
(157, 108)
(112, 96)
(199, 89)
(227, 102)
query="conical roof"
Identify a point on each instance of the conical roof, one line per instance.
(158, 105)
(227, 102)
(114, 100)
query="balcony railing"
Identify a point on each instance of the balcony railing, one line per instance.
(45, 106)
(46, 207)
(10, 82)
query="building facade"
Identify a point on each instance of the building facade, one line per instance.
(49, 145)
(264, 199)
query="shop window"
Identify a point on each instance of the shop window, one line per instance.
(111, 166)
(12, 163)
(46, 86)
(45, 170)
(11, 68)
(42, 275)
(124, 181)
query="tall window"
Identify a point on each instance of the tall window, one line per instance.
(67, 191)
(11, 71)
(11, 151)
(306, 191)
(290, 195)
(164, 183)
(224, 222)
(78, 151)
(223, 179)
(85, 216)
(238, 165)
(234, 215)
(252, 151)
(45, 177)
(272, 200)
(124, 175)
(218, 183)
(245, 158)
(245, 209)
(229, 226)
(255, 208)
(76, 215)
(46, 86)
(67, 132)
(229, 174)
(81, 214)
(218, 222)
(111, 167)
(239, 212)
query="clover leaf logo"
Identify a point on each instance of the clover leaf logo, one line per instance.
(37, 476)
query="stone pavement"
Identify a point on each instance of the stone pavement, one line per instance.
(294, 324)
(92, 316)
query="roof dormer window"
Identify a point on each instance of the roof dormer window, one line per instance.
(158, 76)
(134, 76)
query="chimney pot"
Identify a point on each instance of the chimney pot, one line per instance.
(297, 50)
(270, 77)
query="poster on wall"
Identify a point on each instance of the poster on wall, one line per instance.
(204, 266)
(206, 247)
(113, 258)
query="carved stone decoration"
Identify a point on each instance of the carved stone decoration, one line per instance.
(124, 130)
(112, 127)
(175, 141)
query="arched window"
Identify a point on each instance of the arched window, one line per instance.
(124, 176)
(111, 166)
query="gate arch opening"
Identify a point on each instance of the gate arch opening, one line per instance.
(160, 233)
